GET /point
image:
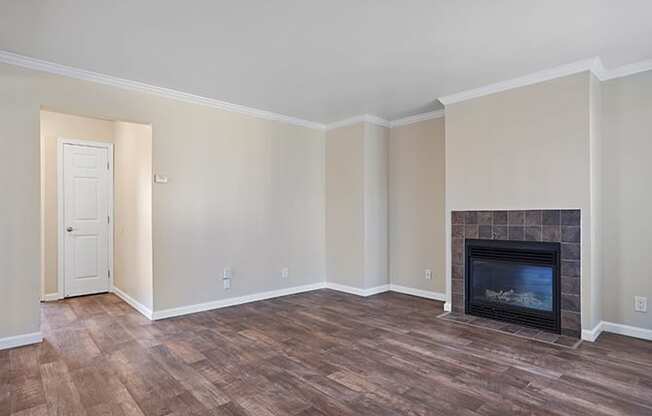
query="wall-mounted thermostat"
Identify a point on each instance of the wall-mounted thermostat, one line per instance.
(160, 179)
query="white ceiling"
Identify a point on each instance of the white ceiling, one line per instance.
(326, 60)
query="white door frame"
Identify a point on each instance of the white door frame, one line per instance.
(61, 290)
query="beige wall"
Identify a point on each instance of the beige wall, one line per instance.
(627, 133)
(345, 205)
(243, 192)
(356, 205)
(53, 126)
(132, 265)
(416, 205)
(596, 177)
(525, 148)
(375, 161)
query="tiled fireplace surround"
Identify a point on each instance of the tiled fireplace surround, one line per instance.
(531, 225)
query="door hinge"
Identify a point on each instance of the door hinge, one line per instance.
(108, 219)
(108, 272)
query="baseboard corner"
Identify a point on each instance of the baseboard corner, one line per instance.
(144, 310)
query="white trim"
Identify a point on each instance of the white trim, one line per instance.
(534, 78)
(627, 70)
(223, 303)
(591, 335)
(20, 340)
(356, 290)
(365, 118)
(448, 307)
(147, 312)
(50, 297)
(593, 65)
(60, 208)
(417, 118)
(418, 292)
(631, 331)
(82, 74)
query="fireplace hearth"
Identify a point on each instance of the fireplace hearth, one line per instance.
(514, 281)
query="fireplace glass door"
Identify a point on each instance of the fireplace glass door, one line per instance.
(514, 284)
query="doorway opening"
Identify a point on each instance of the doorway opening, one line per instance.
(96, 208)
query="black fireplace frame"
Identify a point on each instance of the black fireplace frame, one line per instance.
(528, 252)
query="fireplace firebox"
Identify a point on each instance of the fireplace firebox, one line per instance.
(514, 281)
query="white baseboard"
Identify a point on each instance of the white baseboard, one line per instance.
(631, 331)
(591, 335)
(356, 290)
(133, 303)
(20, 340)
(223, 303)
(418, 292)
(50, 297)
(448, 306)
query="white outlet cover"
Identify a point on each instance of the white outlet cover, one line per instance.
(285, 272)
(227, 284)
(640, 304)
(228, 273)
(428, 274)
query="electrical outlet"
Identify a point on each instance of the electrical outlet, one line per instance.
(227, 284)
(640, 304)
(428, 274)
(285, 273)
(228, 274)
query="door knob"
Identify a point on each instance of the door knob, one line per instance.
(69, 229)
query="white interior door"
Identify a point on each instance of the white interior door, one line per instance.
(86, 198)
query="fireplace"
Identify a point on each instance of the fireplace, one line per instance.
(514, 281)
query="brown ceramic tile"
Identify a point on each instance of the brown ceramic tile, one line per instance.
(458, 231)
(551, 217)
(550, 232)
(471, 231)
(570, 251)
(516, 217)
(457, 217)
(567, 341)
(570, 285)
(457, 271)
(570, 234)
(511, 328)
(458, 300)
(570, 268)
(570, 302)
(471, 217)
(528, 332)
(547, 336)
(571, 321)
(457, 286)
(500, 232)
(570, 217)
(533, 217)
(485, 217)
(574, 333)
(533, 233)
(485, 232)
(500, 217)
(458, 250)
(517, 233)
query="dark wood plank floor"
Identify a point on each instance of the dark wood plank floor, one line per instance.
(319, 353)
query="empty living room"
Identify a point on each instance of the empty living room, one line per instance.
(315, 208)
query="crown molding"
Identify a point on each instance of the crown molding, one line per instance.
(627, 70)
(82, 74)
(534, 78)
(417, 118)
(365, 118)
(593, 65)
